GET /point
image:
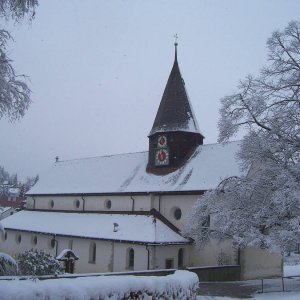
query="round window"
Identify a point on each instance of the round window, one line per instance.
(77, 203)
(177, 213)
(18, 238)
(108, 204)
(34, 240)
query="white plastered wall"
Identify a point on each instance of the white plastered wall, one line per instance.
(213, 254)
(166, 204)
(111, 256)
(159, 254)
(91, 203)
(260, 263)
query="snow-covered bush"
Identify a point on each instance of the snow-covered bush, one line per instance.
(33, 262)
(8, 265)
(181, 285)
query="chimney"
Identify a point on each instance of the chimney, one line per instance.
(116, 227)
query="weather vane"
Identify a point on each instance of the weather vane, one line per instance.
(176, 39)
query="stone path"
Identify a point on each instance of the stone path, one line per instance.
(239, 290)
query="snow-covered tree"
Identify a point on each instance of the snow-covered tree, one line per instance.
(8, 265)
(33, 262)
(14, 92)
(28, 184)
(12, 181)
(261, 208)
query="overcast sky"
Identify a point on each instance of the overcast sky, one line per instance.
(98, 69)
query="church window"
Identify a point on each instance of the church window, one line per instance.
(18, 238)
(92, 253)
(180, 258)
(51, 203)
(108, 203)
(51, 243)
(77, 203)
(177, 213)
(4, 236)
(130, 258)
(34, 240)
(169, 263)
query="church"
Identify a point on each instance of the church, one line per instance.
(125, 212)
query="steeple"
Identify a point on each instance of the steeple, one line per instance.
(175, 112)
(175, 132)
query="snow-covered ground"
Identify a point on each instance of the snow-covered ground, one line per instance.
(267, 296)
(180, 282)
(292, 286)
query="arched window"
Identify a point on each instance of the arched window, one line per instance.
(76, 203)
(92, 253)
(107, 203)
(18, 238)
(130, 259)
(51, 203)
(34, 240)
(180, 258)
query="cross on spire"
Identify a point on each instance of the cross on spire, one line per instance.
(176, 39)
(176, 44)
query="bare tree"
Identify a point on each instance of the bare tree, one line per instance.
(14, 92)
(261, 208)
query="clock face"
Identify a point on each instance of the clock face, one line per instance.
(162, 141)
(162, 157)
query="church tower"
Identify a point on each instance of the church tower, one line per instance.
(175, 133)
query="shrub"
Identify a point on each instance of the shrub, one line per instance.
(34, 262)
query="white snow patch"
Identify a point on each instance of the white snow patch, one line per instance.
(94, 225)
(291, 270)
(182, 284)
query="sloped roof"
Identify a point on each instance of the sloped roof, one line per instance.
(126, 173)
(97, 226)
(175, 111)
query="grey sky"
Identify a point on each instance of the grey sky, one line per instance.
(98, 69)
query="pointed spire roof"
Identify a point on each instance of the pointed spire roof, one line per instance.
(175, 112)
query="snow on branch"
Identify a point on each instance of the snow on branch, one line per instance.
(261, 209)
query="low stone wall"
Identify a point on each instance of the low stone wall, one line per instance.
(217, 273)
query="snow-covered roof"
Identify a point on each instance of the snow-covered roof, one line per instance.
(126, 173)
(96, 226)
(14, 191)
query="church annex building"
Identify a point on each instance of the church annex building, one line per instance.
(125, 212)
